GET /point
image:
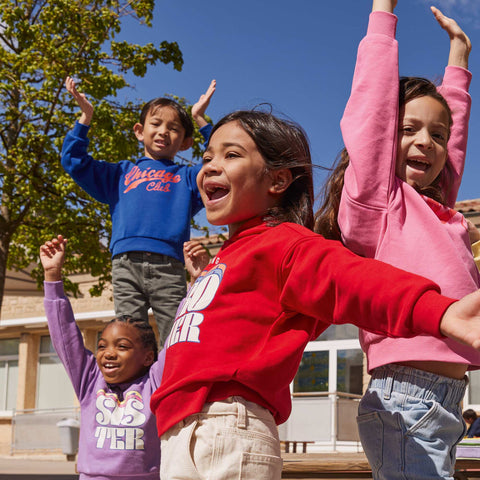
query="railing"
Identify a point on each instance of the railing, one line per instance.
(37, 429)
(326, 417)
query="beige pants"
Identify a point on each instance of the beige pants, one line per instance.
(227, 440)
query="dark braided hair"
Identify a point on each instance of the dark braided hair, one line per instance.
(145, 330)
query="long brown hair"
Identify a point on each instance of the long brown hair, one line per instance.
(326, 222)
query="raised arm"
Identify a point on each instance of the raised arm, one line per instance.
(200, 107)
(384, 5)
(83, 103)
(456, 82)
(369, 130)
(66, 337)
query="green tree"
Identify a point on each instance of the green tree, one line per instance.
(42, 42)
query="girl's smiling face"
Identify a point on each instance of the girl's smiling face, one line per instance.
(121, 355)
(233, 182)
(422, 141)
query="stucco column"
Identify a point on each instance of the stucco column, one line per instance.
(27, 370)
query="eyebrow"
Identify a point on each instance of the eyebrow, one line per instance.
(227, 145)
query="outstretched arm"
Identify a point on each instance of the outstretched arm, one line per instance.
(199, 108)
(83, 103)
(460, 45)
(52, 256)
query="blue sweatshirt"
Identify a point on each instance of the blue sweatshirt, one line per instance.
(151, 202)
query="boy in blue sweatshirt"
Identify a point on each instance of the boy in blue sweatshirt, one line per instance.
(151, 204)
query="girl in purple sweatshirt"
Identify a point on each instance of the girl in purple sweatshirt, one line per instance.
(118, 435)
(394, 191)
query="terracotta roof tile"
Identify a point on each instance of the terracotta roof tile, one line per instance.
(468, 205)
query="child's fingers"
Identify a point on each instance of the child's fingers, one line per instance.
(448, 24)
(211, 88)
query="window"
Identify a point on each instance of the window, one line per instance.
(8, 373)
(312, 375)
(54, 389)
(473, 389)
(331, 365)
(350, 371)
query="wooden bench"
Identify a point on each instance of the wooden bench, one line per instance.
(344, 465)
(294, 443)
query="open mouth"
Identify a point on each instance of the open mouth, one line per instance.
(418, 164)
(110, 367)
(215, 192)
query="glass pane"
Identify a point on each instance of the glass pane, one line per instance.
(12, 384)
(339, 332)
(46, 345)
(9, 346)
(312, 375)
(474, 387)
(54, 389)
(8, 384)
(350, 371)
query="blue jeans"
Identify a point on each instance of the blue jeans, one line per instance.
(410, 422)
(142, 280)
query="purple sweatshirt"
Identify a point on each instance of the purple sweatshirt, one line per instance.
(381, 216)
(118, 439)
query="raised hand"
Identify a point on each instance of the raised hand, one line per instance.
(196, 258)
(83, 103)
(200, 107)
(460, 45)
(52, 256)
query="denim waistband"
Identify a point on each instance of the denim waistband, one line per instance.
(418, 383)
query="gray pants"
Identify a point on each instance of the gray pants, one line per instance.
(142, 280)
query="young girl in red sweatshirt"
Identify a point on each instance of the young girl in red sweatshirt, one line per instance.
(239, 335)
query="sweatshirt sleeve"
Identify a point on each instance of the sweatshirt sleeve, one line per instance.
(456, 82)
(369, 130)
(325, 281)
(156, 370)
(98, 178)
(66, 337)
(206, 131)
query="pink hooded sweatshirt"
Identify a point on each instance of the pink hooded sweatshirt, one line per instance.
(381, 216)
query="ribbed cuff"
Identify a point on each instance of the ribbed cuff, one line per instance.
(382, 23)
(428, 312)
(458, 76)
(53, 290)
(80, 130)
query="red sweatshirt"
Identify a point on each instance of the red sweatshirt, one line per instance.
(244, 324)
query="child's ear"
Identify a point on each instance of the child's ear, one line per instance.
(281, 180)
(148, 360)
(138, 130)
(186, 144)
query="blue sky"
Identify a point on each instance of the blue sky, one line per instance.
(299, 56)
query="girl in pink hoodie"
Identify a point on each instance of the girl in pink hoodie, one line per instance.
(394, 193)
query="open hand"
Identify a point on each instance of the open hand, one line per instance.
(83, 103)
